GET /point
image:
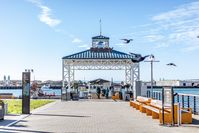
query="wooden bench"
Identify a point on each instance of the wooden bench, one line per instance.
(135, 104)
(154, 108)
(186, 115)
(143, 100)
(139, 101)
(151, 111)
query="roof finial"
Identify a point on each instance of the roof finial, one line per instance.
(100, 27)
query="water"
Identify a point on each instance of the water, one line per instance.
(194, 91)
(18, 92)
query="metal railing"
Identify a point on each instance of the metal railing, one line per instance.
(156, 94)
(189, 101)
(186, 100)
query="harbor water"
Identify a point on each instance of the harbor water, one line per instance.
(18, 92)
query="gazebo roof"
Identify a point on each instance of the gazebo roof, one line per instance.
(99, 53)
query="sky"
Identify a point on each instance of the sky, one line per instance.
(36, 34)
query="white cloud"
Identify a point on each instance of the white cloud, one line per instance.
(183, 11)
(46, 16)
(179, 26)
(153, 38)
(77, 40)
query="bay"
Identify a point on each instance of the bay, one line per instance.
(18, 92)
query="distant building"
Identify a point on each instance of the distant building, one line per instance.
(102, 83)
(191, 82)
(168, 83)
(4, 78)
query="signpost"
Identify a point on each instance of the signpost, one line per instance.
(168, 101)
(26, 93)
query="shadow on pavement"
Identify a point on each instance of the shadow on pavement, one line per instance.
(195, 123)
(8, 130)
(62, 115)
(6, 122)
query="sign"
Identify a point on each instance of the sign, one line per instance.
(168, 100)
(26, 93)
(167, 96)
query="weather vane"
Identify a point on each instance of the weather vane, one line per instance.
(100, 27)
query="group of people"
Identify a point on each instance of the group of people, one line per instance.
(110, 92)
(103, 92)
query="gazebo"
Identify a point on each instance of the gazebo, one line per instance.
(99, 57)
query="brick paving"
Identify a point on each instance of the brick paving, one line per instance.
(92, 116)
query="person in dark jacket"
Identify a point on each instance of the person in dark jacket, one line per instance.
(107, 92)
(98, 92)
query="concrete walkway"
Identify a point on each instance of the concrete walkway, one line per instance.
(92, 116)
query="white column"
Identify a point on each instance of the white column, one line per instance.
(63, 77)
(126, 74)
(73, 72)
(138, 65)
(69, 76)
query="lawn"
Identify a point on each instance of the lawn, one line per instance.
(15, 105)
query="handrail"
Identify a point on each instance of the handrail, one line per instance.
(182, 94)
(187, 94)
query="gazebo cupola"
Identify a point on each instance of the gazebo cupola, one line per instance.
(100, 42)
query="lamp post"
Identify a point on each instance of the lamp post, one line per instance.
(151, 60)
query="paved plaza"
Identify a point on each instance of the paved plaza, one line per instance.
(89, 116)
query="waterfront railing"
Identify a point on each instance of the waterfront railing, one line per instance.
(186, 100)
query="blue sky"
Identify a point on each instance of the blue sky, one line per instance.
(36, 34)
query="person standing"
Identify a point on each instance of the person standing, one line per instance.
(107, 92)
(98, 92)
